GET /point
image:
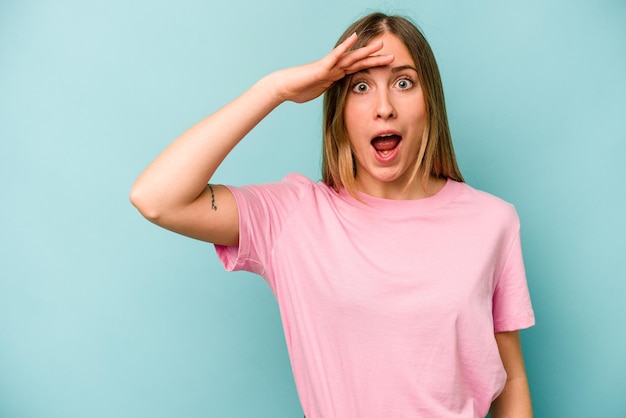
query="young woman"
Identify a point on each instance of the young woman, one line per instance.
(401, 289)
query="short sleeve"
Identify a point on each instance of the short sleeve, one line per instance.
(263, 210)
(512, 308)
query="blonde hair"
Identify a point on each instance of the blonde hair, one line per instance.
(436, 155)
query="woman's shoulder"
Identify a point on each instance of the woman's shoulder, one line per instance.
(292, 188)
(306, 184)
(299, 180)
(486, 202)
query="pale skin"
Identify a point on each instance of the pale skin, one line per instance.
(173, 193)
(388, 100)
(514, 401)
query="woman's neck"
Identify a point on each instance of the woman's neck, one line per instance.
(413, 190)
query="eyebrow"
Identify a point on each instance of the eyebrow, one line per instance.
(402, 68)
(393, 70)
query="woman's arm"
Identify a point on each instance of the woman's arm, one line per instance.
(514, 401)
(173, 192)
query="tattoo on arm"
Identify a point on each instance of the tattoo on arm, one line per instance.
(213, 207)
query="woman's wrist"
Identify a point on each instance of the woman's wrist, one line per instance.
(272, 88)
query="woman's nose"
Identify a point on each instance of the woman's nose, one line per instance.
(384, 106)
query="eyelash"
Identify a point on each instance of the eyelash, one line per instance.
(409, 79)
(353, 86)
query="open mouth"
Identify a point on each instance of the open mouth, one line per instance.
(385, 144)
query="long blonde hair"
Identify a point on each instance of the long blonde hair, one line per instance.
(436, 156)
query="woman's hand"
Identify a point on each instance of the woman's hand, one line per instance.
(307, 82)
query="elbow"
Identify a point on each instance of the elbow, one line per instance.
(140, 200)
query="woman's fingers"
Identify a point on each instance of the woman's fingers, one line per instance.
(349, 62)
(341, 56)
(342, 48)
(369, 62)
(363, 52)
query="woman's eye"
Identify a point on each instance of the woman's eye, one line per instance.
(404, 83)
(360, 87)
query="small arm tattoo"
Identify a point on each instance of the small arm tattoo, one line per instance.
(213, 207)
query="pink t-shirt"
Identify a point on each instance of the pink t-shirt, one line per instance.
(389, 307)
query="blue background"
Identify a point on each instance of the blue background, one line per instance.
(104, 315)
